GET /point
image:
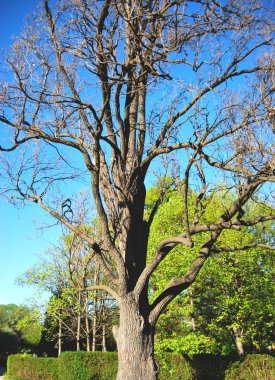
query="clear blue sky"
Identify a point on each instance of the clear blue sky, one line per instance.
(19, 239)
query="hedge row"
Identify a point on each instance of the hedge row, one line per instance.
(26, 367)
(73, 365)
(80, 365)
(252, 367)
(103, 366)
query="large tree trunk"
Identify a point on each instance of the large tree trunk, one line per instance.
(135, 344)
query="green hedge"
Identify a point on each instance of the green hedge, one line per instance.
(103, 366)
(252, 367)
(174, 366)
(210, 366)
(26, 367)
(80, 365)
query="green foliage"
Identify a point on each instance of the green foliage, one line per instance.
(210, 367)
(253, 367)
(240, 297)
(20, 329)
(9, 342)
(191, 344)
(173, 366)
(82, 365)
(232, 291)
(26, 367)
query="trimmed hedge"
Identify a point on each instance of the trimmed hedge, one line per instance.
(73, 365)
(252, 367)
(174, 366)
(210, 366)
(82, 365)
(26, 367)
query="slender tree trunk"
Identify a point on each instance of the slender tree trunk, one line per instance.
(135, 344)
(238, 340)
(94, 325)
(59, 343)
(193, 322)
(104, 348)
(78, 323)
(95, 310)
(88, 348)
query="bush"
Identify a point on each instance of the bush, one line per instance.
(73, 365)
(252, 367)
(174, 366)
(80, 365)
(103, 366)
(26, 367)
(210, 366)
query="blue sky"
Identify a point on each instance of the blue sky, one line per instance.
(20, 240)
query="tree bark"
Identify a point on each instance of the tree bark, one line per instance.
(193, 322)
(78, 323)
(135, 343)
(95, 321)
(104, 348)
(59, 337)
(88, 348)
(238, 340)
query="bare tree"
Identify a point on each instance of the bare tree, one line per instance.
(121, 84)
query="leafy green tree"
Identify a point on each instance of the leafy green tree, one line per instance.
(20, 328)
(237, 306)
(231, 304)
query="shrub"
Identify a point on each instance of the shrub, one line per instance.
(174, 366)
(103, 366)
(80, 365)
(26, 367)
(210, 366)
(252, 367)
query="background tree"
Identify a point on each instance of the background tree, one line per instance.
(111, 86)
(241, 313)
(73, 319)
(229, 307)
(20, 329)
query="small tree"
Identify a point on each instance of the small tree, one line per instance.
(121, 84)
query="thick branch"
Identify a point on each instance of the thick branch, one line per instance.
(103, 288)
